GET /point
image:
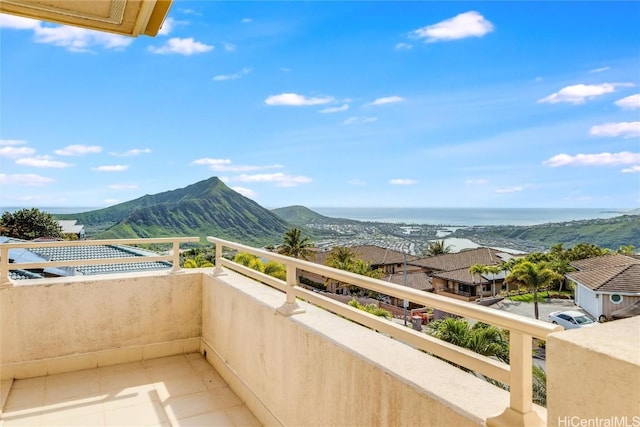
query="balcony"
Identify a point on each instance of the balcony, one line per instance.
(284, 355)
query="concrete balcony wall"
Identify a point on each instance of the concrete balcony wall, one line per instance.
(56, 325)
(316, 368)
(593, 375)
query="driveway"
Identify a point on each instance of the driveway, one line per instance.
(544, 308)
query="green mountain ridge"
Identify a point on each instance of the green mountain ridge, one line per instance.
(206, 208)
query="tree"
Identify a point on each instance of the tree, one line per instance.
(29, 224)
(198, 262)
(295, 245)
(494, 270)
(437, 247)
(341, 258)
(477, 269)
(481, 338)
(534, 277)
(626, 250)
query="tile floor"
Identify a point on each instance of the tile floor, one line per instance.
(180, 390)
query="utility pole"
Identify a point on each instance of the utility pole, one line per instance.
(406, 302)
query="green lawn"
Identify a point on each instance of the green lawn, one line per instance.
(542, 296)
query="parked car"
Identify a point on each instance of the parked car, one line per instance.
(571, 319)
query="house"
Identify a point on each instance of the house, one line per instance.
(606, 284)
(70, 226)
(451, 277)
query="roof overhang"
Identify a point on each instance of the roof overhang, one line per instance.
(124, 17)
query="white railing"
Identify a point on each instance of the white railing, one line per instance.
(517, 374)
(174, 258)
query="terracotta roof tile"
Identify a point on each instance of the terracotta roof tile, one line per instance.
(463, 259)
(623, 279)
(612, 260)
(416, 280)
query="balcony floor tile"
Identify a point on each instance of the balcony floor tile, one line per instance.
(170, 391)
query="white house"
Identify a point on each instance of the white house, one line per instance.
(605, 284)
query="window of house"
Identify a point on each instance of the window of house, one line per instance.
(615, 298)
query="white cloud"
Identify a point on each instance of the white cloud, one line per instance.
(17, 22)
(578, 94)
(386, 100)
(132, 152)
(224, 165)
(478, 181)
(509, 190)
(359, 120)
(601, 159)
(190, 12)
(73, 39)
(623, 129)
(110, 201)
(5, 142)
(180, 46)
(344, 107)
(246, 192)
(295, 100)
(599, 70)
(229, 47)
(42, 162)
(280, 179)
(24, 179)
(632, 169)
(111, 168)
(403, 46)
(239, 74)
(246, 20)
(631, 102)
(123, 186)
(400, 181)
(78, 150)
(468, 24)
(167, 27)
(11, 151)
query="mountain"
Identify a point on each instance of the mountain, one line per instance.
(206, 208)
(299, 215)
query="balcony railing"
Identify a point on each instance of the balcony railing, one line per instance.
(517, 374)
(174, 258)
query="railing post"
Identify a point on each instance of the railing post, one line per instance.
(290, 306)
(5, 282)
(218, 271)
(176, 257)
(520, 411)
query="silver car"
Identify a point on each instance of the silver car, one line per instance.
(571, 319)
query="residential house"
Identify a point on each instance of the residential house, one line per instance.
(70, 226)
(606, 284)
(451, 276)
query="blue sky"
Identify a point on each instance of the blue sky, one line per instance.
(354, 104)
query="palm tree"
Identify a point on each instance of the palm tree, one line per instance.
(437, 247)
(198, 262)
(494, 270)
(477, 269)
(341, 258)
(534, 277)
(295, 245)
(480, 338)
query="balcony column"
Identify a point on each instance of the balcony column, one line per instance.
(5, 282)
(290, 306)
(176, 257)
(218, 271)
(520, 411)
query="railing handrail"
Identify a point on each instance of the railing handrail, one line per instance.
(535, 328)
(517, 374)
(174, 258)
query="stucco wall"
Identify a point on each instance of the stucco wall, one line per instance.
(593, 375)
(319, 369)
(51, 318)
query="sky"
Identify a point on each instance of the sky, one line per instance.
(330, 104)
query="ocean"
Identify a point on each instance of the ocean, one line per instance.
(469, 216)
